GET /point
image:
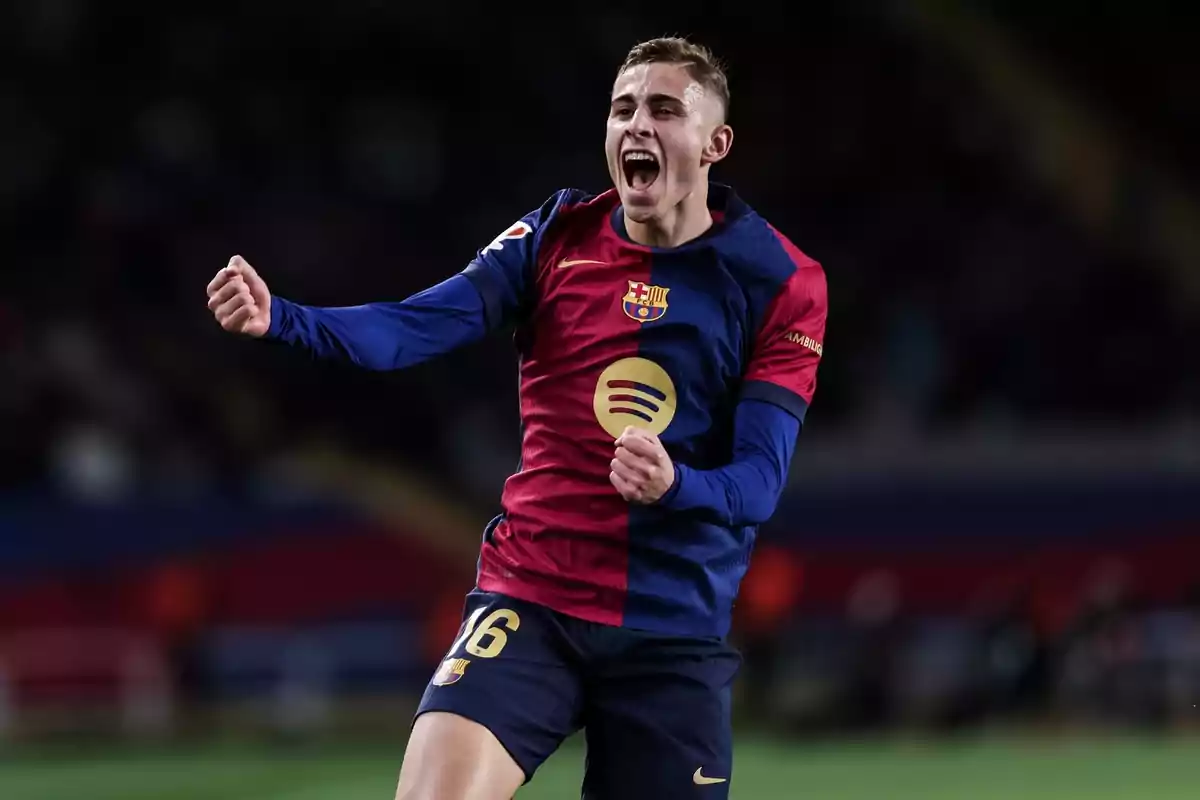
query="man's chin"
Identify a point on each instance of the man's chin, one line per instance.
(639, 206)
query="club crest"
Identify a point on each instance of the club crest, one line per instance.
(451, 671)
(644, 302)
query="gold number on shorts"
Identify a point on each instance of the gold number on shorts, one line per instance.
(467, 627)
(510, 621)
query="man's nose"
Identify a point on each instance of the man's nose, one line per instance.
(640, 124)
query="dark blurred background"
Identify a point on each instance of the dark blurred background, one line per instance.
(994, 514)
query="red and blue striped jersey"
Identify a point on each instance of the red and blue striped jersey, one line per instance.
(611, 333)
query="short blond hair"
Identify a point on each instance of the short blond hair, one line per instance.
(704, 67)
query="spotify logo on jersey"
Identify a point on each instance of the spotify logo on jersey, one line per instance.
(634, 391)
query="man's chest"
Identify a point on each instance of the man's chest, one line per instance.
(589, 295)
(622, 336)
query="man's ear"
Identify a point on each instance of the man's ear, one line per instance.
(718, 145)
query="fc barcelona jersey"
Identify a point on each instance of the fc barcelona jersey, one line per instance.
(611, 333)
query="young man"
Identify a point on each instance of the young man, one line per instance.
(668, 339)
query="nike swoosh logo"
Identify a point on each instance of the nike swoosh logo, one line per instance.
(575, 262)
(699, 779)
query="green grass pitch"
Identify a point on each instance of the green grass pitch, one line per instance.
(967, 770)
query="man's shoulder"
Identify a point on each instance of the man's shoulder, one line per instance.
(756, 250)
(573, 212)
(574, 201)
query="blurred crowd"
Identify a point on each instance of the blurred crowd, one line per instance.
(1105, 658)
(360, 152)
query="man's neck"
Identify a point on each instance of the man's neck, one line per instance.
(687, 221)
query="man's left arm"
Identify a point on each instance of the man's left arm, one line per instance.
(745, 491)
(780, 383)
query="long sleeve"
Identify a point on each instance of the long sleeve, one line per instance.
(386, 336)
(494, 290)
(745, 491)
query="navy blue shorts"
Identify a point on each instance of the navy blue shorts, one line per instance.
(655, 709)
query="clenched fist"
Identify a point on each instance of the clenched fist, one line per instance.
(641, 469)
(239, 299)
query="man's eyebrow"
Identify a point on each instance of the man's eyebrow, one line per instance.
(654, 98)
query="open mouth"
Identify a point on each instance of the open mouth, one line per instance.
(641, 169)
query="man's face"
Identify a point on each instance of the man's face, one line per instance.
(663, 130)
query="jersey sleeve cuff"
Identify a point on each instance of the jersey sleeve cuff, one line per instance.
(279, 312)
(668, 498)
(776, 395)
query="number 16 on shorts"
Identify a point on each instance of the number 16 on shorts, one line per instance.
(484, 639)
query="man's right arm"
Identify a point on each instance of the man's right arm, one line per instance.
(385, 336)
(495, 289)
